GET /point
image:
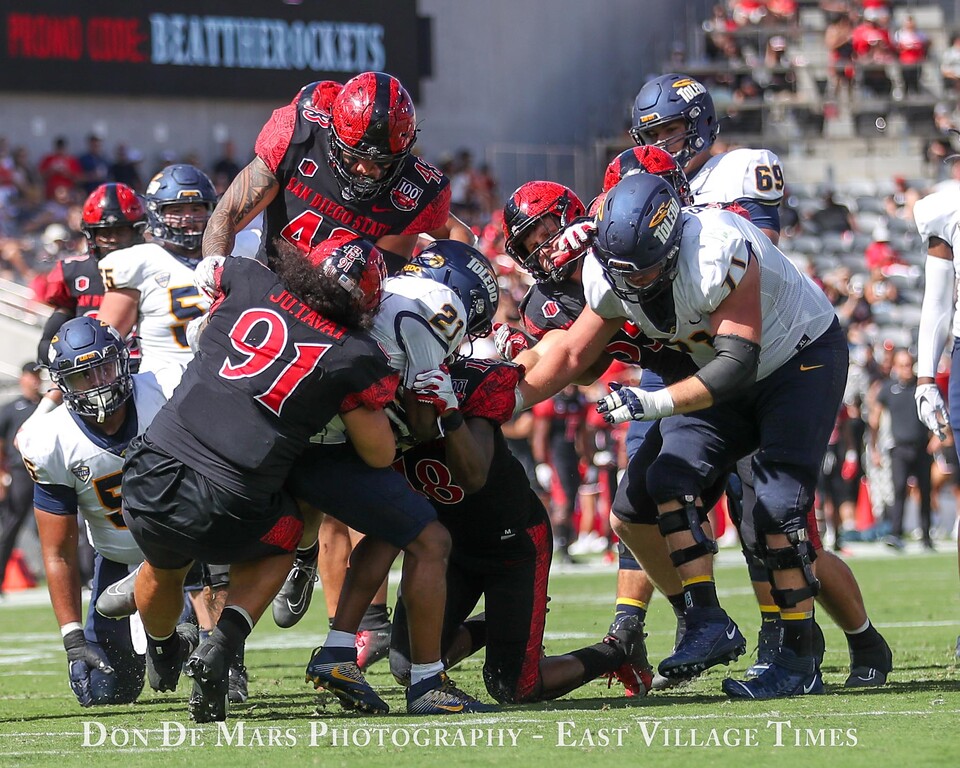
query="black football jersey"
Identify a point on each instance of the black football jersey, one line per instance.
(295, 145)
(485, 520)
(75, 285)
(548, 306)
(269, 373)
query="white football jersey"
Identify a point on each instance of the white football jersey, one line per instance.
(714, 253)
(58, 452)
(168, 300)
(755, 174)
(938, 215)
(419, 325)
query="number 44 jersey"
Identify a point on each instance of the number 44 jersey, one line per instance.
(269, 373)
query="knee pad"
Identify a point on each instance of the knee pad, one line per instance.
(799, 554)
(688, 518)
(784, 493)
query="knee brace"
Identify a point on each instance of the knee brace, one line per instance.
(688, 518)
(627, 561)
(800, 554)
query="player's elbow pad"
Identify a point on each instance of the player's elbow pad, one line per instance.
(733, 369)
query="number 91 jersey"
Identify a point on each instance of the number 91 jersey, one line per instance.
(168, 300)
(59, 451)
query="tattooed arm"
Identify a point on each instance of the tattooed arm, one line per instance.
(251, 191)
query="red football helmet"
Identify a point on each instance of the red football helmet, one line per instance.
(373, 120)
(111, 206)
(525, 208)
(648, 159)
(356, 265)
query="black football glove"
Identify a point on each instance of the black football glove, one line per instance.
(81, 659)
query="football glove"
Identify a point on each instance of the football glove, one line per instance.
(435, 388)
(205, 276)
(510, 342)
(633, 404)
(931, 409)
(81, 660)
(577, 236)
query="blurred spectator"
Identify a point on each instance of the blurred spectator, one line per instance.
(950, 66)
(899, 204)
(485, 190)
(936, 154)
(59, 168)
(124, 168)
(53, 211)
(719, 27)
(912, 46)
(777, 76)
(833, 216)
(880, 254)
(225, 168)
(782, 12)
(27, 177)
(93, 165)
(462, 191)
(873, 51)
(838, 39)
(745, 114)
(908, 453)
(748, 12)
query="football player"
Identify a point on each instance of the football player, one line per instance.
(937, 219)
(281, 354)
(501, 547)
(75, 457)
(643, 266)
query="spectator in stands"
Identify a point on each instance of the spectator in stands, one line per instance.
(124, 168)
(912, 47)
(838, 40)
(718, 28)
(778, 76)
(782, 12)
(225, 168)
(748, 12)
(950, 66)
(833, 216)
(745, 114)
(899, 204)
(59, 168)
(909, 454)
(873, 51)
(94, 166)
(880, 254)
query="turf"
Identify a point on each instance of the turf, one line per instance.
(913, 599)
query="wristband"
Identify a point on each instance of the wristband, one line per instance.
(69, 627)
(451, 421)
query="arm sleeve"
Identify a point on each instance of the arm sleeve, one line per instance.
(934, 314)
(55, 499)
(762, 215)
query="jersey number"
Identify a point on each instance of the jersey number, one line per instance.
(261, 336)
(769, 177)
(436, 481)
(183, 306)
(302, 230)
(447, 321)
(108, 491)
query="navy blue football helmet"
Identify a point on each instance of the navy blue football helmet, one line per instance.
(672, 97)
(90, 364)
(175, 184)
(468, 273)
(638, 236)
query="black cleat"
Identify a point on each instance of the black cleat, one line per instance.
(869, 668)
(163, 669)
(209, 669)
(292, 601)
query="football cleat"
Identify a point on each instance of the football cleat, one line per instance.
(636, 674)
(372, 645)
(237, 678)
(209, 669)
(291, 602)
(661, 683)
(869, 668)
(787, 675)
(711, 638)
(117, 600)
(343, 678)
(768, 643)
(437, 695)
(163, 669)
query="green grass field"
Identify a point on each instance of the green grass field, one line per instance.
(913, 720)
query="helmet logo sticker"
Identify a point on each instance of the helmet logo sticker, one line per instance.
(688, 89)
(663, 220)
(432, 260)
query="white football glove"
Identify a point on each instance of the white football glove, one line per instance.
(577, 236)
(435, 388)
(931, 409)
(510, 341)
(194, 329)
(634, 404)
(204, 276)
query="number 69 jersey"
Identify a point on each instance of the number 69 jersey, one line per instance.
(269, 373)
(168, 300)
(751, 177)
(79, 471)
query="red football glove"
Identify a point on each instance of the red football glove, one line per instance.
(510, 342)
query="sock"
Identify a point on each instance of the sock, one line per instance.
(798, 631)
(377, 616)
(678, 604)
(233, 628)
(310, 554)
(700, 592)
(162, 646)
(599, 659)
(627, 606)
(864, 638)
(338, 639)
(769, 617)
(420, 672)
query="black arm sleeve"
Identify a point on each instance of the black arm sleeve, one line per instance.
(734, 367)
(57, 319)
